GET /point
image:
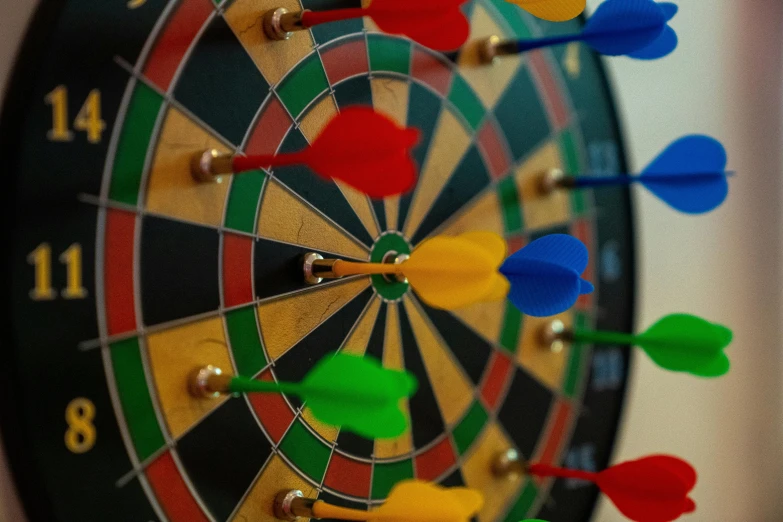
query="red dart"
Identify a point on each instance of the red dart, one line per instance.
(359, 147)
(438, 24)
(650, 489)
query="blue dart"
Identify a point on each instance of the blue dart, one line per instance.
(635, 28)
(689, 176)
(545, 276)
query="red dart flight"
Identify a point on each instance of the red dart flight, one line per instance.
(360, 148)
(650, 489)
(438, 24)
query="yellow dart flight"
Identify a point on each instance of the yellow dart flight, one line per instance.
(552, 10)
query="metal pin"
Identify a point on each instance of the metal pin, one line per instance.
(209, 165)
(280, 23)
(508, 464)
(554, 335)
(493, 47)
(208, 382)
(291, 504)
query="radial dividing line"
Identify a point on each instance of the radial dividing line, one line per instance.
(92, 344)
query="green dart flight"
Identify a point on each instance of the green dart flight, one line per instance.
(678, 342)
(353, 392)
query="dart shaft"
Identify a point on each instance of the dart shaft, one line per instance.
(262, 161)
(537, 43)
(598, 337)
(544, 470)
(323, 510)
(244, 385)
(312, 18)
(345, 268)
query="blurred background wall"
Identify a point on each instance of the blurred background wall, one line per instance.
(726, 80)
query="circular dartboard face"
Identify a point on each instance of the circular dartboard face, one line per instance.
(125, 273)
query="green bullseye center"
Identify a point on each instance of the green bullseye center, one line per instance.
(389, 246)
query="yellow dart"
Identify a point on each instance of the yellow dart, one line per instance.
(446, 272)
(408, 501)
(552, 10)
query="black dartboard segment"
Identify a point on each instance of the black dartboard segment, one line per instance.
(124, 274)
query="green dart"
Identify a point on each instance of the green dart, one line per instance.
(356, 393)
(678, 342)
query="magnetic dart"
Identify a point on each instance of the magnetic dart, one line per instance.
(689, 176)
(341, 390)
(650, 489)
(408, 501)
(359, 147)
(449, 273)
(438, 24)
(635, 28)
(678, 342)
(552, 10)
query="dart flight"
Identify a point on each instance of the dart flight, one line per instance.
(650, 489)
(359, 147)
(356, 393)
(689, 175)
(552, 10)
(542, 279)
(545, 275)
(634, 28)
(437, 24)
(412, 501)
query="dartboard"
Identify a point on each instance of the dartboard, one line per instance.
(124, 273)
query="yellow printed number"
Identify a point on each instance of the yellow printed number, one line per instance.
(572, 62)
(81, 434)
(41, 259)
(88, 119)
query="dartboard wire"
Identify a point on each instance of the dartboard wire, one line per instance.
(493, 184)
(92, 344)
(171, 102)
(97, 201)
(250, 487)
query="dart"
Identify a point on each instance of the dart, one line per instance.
(650, 489)
(450, 273)
(689, 175)
(408, 501)
(634, 28)
(438, 24)
(552, 10)
(678, 342)
(545, 275)
(341, 390)
(359, 147)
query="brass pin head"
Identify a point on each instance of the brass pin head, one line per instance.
(508, 464)
(550, 181)
(554, 335)
(290, 504)
(208, 382)
(209, 165)
(488, 49)
(280, 23)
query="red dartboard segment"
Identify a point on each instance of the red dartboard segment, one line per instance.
(554, 101)
(496, 379)
(346, 60)
(434, 462)
(270, 129)
(559, 421)
(118, 272)
(237, 275)
(431, 71)
(583, 231)
(348, 475)
(516, 243)
(173, 43)
(494, 148)
(272, 410)
(172, 492)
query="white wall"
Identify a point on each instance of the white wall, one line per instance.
(724, 80)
